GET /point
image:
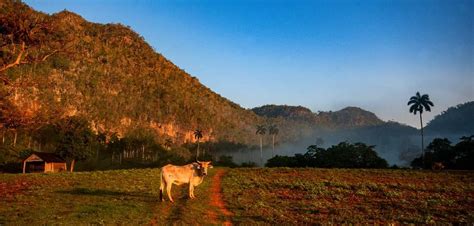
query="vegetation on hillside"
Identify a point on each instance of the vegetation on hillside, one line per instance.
(106, 74)
(456, 119)
(297, 113)
(349, 117)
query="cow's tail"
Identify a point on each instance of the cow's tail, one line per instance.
(162, 186)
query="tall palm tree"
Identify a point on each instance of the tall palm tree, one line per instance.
(419, 103)
(261, 130)
(273, 130)
(198, 136)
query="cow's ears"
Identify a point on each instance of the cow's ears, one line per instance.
(210, 166)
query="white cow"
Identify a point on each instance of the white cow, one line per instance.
(192, 174)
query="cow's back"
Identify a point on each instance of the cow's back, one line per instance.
(177, 174)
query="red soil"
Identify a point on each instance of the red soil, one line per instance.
(216, 199)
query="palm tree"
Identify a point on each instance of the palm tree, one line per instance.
(419, 103)
(273, 130)
(261, 130)
(198, 136)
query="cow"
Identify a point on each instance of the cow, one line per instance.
(192, 174)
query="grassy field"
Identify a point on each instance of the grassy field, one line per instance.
(102, 197)
(250, 196)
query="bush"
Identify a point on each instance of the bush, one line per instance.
(226, 161)
(248, 164)
(282, 161)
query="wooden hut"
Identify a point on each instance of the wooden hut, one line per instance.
(41, 162)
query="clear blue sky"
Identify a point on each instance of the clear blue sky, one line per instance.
(324, 55)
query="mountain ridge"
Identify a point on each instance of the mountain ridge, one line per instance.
(348, 117)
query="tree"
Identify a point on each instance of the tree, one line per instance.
(419, 103)
(273, 130)
(76, 140)
(116, 146)
(261, 130)
(441, 151)
(465, 153)
(198, 136)
(22, 37)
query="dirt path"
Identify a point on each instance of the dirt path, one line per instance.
(162, 212)
(217, 200)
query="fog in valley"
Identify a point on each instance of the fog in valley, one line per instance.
(398, 149)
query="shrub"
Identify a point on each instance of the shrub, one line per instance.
(225, 160)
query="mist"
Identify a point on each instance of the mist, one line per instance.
(399, 146)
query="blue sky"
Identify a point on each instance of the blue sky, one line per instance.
(324, 55)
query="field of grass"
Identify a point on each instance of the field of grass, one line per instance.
(269, 196)
(296, 196)
(102, 197)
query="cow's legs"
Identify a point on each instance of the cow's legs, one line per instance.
(191, 191)
(162, 186)
(168, 190)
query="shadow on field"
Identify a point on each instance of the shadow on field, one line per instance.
(104, 192)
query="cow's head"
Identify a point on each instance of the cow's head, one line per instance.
(202, 167)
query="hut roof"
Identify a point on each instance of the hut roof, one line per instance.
(48, 157)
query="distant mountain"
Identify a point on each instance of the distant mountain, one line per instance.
(297, 113)
(349, 117)
(458, 119)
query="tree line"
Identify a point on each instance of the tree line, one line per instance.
(74, 140)
(342, 155)
(442, 154)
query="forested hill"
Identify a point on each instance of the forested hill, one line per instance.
(458, 119)
(54, 66)
(297, 113)
(349, 117)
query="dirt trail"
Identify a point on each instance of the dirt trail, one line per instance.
(217, 200)
(160, 212)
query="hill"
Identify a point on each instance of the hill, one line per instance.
(349, 117)
(297, 113)
(458, 119)
(59, 65)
